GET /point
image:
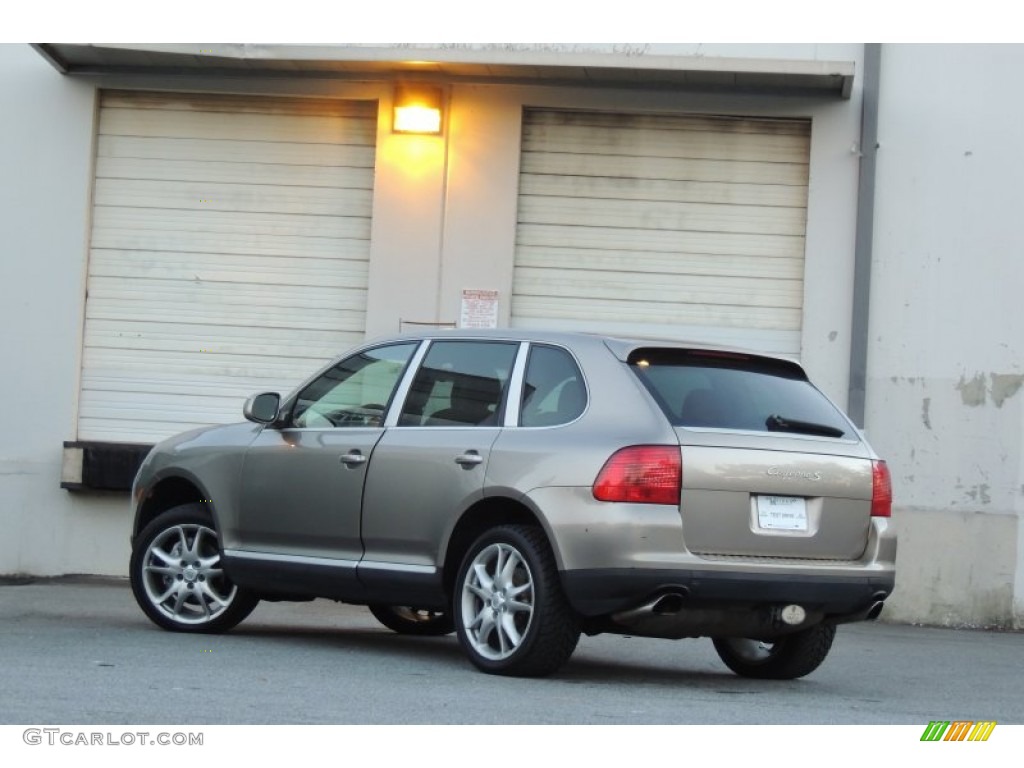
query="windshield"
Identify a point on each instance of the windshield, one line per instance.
(733, 391)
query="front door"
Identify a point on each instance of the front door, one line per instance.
(303, 483)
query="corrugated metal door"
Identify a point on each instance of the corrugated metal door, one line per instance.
(688, 226)
(229, 254)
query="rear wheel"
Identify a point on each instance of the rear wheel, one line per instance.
(413, 621)
(510, 613)
(178, 578)
(785, 658)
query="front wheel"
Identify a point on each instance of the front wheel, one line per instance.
(786, 658)
(178, 578)
(510, 613)
(413, 621)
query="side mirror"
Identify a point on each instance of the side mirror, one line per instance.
(262, 408)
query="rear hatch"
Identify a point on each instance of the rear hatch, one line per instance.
(771, 468)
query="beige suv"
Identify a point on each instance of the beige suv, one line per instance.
(521, 488)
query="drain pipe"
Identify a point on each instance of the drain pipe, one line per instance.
(857, 390)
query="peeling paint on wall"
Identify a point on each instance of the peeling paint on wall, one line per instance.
(1004, 386)
(972, 392)
(926, 405)
(1000, 387)
(978, 493)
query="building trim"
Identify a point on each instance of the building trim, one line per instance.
(462, 64)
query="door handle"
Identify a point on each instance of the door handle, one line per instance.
(469, 459)
(353, 458)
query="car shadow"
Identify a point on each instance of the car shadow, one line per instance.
(582, 668)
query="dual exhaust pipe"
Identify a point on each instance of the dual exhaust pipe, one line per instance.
(792, 615)
(669, 615)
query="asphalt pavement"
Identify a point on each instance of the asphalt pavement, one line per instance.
(79, 651)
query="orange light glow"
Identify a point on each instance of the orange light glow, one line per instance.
(417, 119)
(417, 109)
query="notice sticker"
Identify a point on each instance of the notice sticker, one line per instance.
(479, 309)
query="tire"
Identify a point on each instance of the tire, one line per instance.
(787, 658)
(174, 590)
(413, 621)
(510, 613)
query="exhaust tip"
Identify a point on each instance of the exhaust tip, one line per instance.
(793, 615)
(670, 603)
(875, 610)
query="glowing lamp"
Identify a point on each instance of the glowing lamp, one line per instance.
(417, 109)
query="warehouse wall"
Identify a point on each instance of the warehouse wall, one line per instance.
(946, 361)
(46, 149)
(443, 220)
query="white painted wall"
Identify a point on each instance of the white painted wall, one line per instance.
(46, 139)
(946, 356)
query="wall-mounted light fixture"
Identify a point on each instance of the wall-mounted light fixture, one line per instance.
(417, 109)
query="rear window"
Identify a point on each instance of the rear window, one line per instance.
(734, 391)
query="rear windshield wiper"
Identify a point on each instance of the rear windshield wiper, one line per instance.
(776, 423)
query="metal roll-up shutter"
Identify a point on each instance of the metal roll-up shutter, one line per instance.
(685, 226)
(229, 254)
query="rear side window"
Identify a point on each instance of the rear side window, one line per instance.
(733, 391)
(553, 391)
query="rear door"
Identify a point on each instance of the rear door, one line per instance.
(431, 465)
(771, 468)
(772, 503)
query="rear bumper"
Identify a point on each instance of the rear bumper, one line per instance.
(617, 557)
(600, 592)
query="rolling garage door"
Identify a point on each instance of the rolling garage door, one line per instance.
(229, 254)
(687, 226)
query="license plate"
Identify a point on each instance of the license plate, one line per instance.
(782, 513)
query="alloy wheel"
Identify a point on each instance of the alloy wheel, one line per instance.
(497, 601)
(182, 575)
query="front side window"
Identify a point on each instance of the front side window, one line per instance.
(553, 391)
(734, 391)
(355, 392)
(460, 383)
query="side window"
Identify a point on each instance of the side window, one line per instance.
(460, 383)
(355, 392)
(553, 391)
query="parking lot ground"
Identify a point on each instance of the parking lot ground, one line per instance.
(79, 651)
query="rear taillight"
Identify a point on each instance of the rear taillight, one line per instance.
(642, 474)
(881, 490)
